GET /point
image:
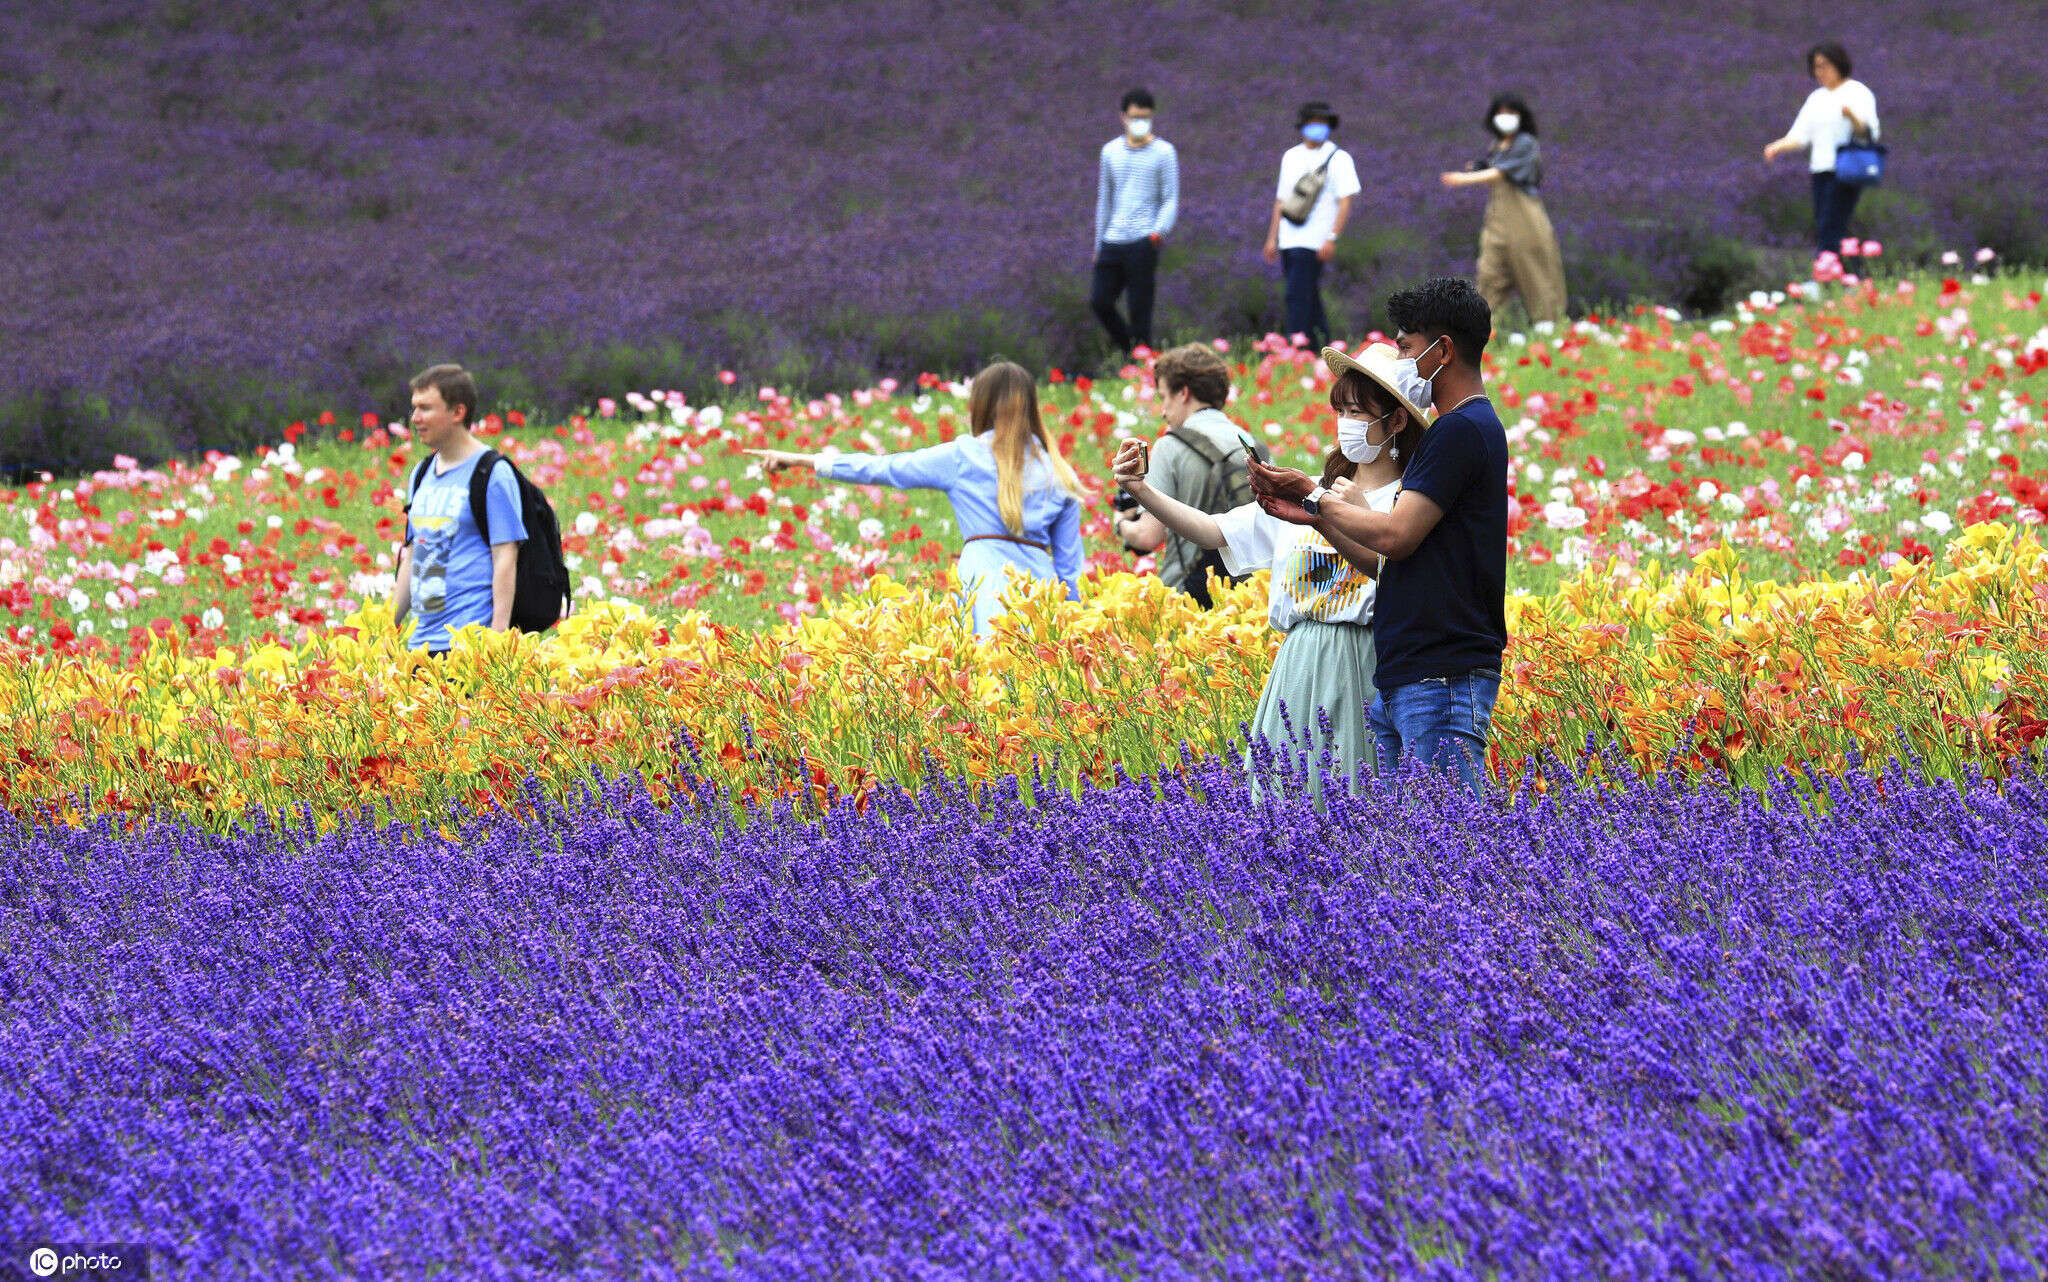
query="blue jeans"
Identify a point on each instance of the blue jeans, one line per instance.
(1443, 721)
(1305, 314)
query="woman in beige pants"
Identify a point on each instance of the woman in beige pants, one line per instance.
(1517, 248)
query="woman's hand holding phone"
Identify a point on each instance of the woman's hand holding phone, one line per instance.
(1280, 482)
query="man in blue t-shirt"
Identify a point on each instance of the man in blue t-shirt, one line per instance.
(1439, 621)
(448, 577)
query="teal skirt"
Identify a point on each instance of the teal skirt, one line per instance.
(1315, 704)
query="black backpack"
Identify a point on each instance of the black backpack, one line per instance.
(1228, 486)
(541, 597)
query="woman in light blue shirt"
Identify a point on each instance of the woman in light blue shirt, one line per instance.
(1016, 500)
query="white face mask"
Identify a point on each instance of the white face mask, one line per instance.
(1409, 381)
(1139, 128)
(1506, 123)
(1354, 438)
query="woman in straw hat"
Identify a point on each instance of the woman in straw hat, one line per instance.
(1017, 501)
(1322, 589)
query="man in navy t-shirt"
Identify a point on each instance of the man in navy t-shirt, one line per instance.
(448, 576)
(1440, 619)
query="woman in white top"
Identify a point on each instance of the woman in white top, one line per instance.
(1016, 499)
(1838, 110)
(1323, 586)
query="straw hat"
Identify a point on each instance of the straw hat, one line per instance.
(1379, 362)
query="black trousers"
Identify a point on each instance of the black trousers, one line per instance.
(1833, 203)
(1305, 313)
(1118, 269)
(1196, 584)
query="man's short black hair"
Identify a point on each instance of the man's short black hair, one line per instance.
(1833, 51)
(1316, 109)
(1138, 97)
(1445, 306)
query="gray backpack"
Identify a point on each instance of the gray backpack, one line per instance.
(1227, 485)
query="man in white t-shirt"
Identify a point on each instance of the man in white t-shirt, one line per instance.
(1302, 247)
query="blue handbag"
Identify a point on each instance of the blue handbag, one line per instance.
(1860, 164)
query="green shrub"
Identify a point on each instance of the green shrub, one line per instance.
(66, 431)
(2013, 222)
(1719, 270)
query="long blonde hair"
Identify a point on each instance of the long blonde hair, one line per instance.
(1004, 400)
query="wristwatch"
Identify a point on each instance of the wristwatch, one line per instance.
(1313, 502)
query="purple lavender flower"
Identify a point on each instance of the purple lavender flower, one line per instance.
(1156, 1030)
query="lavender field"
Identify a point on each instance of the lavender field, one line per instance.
(221, 216)
(1646, 1032)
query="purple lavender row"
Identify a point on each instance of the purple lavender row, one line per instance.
(205, 205)
(1646, 1032)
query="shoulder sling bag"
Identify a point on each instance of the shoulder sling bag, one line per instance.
(1306, 189)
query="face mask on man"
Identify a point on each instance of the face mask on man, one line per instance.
(1410, 382)
(1506, 123)
(1354, 438)
(1141, 127)
(1316, 130)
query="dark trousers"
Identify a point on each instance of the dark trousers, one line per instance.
(1305, 315)
(1833, 202)
(1196, 585)
(1119, 268)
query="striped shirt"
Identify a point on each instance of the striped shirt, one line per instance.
(1137, 191)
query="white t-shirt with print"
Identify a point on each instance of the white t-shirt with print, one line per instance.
(1311, 579)
(1824, 129)
(1339, 182)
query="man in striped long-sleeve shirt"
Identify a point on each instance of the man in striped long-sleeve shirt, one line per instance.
(1137, 196)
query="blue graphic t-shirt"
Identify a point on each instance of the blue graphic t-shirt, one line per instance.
(451, 567)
